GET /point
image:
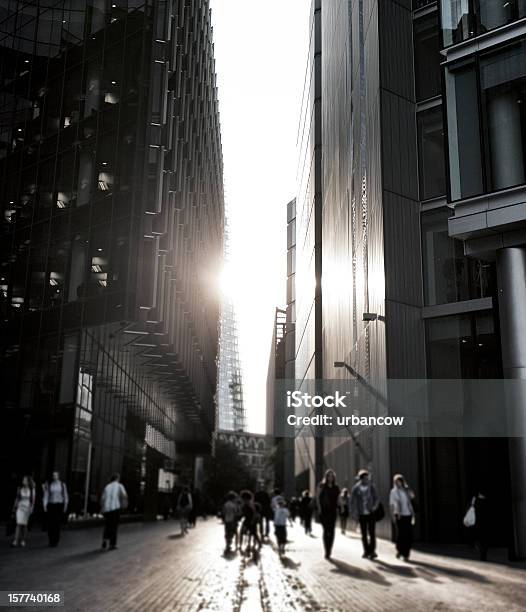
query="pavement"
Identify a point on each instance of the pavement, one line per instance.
(155, 569)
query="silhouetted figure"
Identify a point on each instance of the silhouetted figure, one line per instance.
(364, 501)
(343, 509)
(55, 502)
(184, 508)
(263, 499)
(328, 495)
(306, 510)
(230, 514)
(402, 511)
(113, 501)
(482, 527)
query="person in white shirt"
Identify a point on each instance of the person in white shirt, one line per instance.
(402, 510)
(114, 499)
(281, 514)
(55, 501)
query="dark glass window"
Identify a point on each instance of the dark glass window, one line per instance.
(450, 276)
(493, 158)
(427, 57)
(503, 90)
(464, 346)
(464, 133)
(431, 153)
(463, 19)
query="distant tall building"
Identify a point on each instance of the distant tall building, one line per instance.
(230, 405)
(111, 188)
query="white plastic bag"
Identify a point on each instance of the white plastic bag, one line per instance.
(470, 518)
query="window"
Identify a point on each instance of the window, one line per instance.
(463, 19)
(431, 154)
(503, 90)
(427, 57)
(463, 133)
(450, 276)
(464, 346)
(491, 158)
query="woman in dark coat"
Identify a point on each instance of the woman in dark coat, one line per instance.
(328, 496)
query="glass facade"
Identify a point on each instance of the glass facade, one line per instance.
(464, 346)
(450, 276)
(487, 149)
(111, 195)
(463, 19)
(431, 153)
(428, 81)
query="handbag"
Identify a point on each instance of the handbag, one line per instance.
(378, 513)
(470, 517)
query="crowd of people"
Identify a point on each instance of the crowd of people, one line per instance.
(247, 515)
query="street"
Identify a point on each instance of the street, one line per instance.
(154, 569)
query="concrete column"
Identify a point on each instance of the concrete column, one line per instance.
(511, 272)
(507, 158)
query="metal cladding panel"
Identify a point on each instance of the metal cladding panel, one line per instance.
(402, 250)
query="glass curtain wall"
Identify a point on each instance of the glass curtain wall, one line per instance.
(463, 19)
(487, 149)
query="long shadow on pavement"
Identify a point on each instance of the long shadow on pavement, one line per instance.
(401, 570)
(355, 572)
(458, 573)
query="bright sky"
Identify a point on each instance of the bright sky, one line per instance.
(261, 56)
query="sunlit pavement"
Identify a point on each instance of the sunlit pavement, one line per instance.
(154, 569)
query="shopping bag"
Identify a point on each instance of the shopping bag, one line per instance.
(470, 518)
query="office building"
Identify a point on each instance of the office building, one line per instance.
(425, 224)
(112, 197)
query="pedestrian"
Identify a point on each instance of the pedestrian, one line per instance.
(306, 510)
(481, 529)
(294, 509)
(184, 508)
(343, 509)
(250, 519)
(276, 497)
(281, 515)
(402, 511)
(196, 506)
(55, 502)
(23, 509)
(114, 499)
(263, 499)
(328, 495)
(363, 503)
(230, 513)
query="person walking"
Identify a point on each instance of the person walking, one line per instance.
(23, 509)
(230, 514)
(114, 499)
(184, 508)
(481, 529)
(328, 495)
(306, 510)
(363, 503)
(343, 509)
(55, 502)
(402, 511)
(263, 499)
(281, 515)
